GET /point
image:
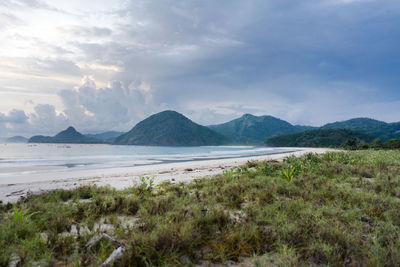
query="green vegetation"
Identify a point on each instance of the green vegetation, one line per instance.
(392, 144)
(68, 136)
(170, 128)
(250, 129)
(320, 138)
(377, 129)
(378, 144)
(339, 138)
(17, 139)
(336, 209)
(107, 137)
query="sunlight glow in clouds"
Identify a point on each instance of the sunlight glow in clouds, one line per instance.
(102, 65)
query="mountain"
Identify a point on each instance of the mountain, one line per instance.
(17, 139)
(375, 128)
(318, 138)
(301, 128)
(68, 136)
(170, 128)
(250, 129)
(107, 137)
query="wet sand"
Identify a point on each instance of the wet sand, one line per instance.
(120, 178)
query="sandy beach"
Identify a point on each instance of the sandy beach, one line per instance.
(124, 177)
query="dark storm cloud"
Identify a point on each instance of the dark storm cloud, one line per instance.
(309, 62)
(288, 54)
(270, 57)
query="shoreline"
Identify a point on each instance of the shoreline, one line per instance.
(120, 178)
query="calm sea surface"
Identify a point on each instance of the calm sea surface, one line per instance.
(17, 160)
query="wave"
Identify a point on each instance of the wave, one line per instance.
(173, 153)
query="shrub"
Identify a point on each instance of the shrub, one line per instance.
(392, 144)
(377, 144)
(350, 144)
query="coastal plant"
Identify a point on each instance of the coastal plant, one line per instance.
(21, 222)
(85, 192)
(20, 215)
(299, 165)
(252, 164)
(146, 185)
(312, 158)
(228, 173)
(339, 209)
(268, 169)
(243, 169)
(288, 173)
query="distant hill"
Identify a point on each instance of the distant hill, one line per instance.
(107, 137)
(317, 138)
(375, 128)
(170, 128)
(17, 139)
(250, 129)
(301, 128)
(68, 136)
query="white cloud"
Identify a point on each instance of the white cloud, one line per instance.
(304, 61)
(46, 120)
(99, 67)
(86, 32)
(14, 117)
(113, 107)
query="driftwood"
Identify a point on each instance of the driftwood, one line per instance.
(96, 238)
(14, 260)
(115, 255)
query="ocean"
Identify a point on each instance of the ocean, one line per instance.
(38, 162)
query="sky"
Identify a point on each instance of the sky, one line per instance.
(105, 65)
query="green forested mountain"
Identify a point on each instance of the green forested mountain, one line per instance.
(17, 139)
(68, 136)
(318, 138)
(107, 137)
(170, 128)
(250, 129)
(301, 128)
(375, 128)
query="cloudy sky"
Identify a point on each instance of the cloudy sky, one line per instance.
(105, 65)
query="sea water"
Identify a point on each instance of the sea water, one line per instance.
(22, 162)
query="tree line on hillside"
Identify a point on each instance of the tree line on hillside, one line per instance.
(170, 128)
(318, 138)
(335, 138)
(377, 143)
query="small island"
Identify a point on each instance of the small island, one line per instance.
(68, 136)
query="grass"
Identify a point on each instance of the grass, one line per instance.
(336, 209)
